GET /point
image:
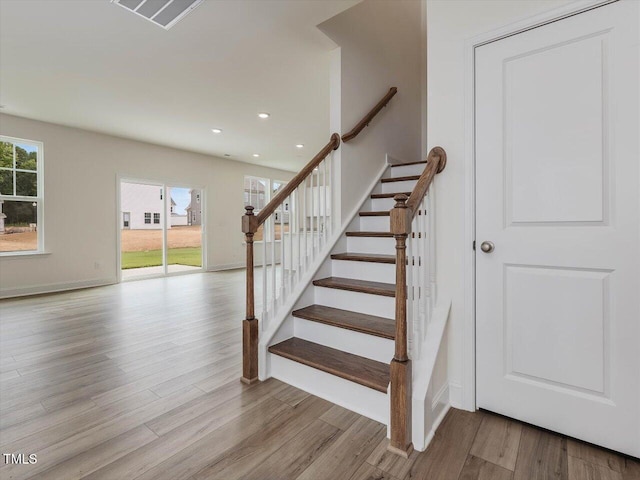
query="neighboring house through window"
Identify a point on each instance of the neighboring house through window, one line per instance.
(21, 195)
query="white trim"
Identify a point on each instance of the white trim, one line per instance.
(444, 392)
(464, 395)
(54, 287)
(455, 395)
(226, 266)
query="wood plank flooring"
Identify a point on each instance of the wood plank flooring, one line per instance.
(141, 381)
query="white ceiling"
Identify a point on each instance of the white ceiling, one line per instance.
(94, 65)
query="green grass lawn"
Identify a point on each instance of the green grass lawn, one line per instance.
(191, 256)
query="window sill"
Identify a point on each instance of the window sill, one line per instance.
(23, 254)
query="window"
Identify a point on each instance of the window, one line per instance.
(147, 217)
(156, 218)
(21, 195)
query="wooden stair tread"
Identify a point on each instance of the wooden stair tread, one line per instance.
(358, 322)
(389, 195)
(400, 179)
(356, 285)
(408, 163)
(376, 213)
(364, 257)
(351, 367)
(370, 234)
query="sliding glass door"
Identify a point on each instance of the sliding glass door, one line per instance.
(184, 237)
(161, 229)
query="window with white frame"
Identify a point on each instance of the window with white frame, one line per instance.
(21, 195)
(147, 218)
(156, 218)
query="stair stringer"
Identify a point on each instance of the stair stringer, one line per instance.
(430, 399)
(281, 324)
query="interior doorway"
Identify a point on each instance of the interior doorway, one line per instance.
(161, 229)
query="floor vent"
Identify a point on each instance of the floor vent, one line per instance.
(164, 13)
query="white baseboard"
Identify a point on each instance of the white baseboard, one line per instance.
(455, 395)
(226, 266)
(54, 287)
(439, 417)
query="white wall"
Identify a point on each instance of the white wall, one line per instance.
(380, 47)
(80, 218)
(449, 24)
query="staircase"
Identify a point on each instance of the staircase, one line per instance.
(346, 314)
(362, 282)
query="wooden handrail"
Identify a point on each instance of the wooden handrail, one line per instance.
(401, 217)
(407, 207)
(353, 133)
(436, 161)
(286, 190)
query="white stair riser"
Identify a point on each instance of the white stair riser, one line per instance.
(383, 245)
(408, 170)
(352, 396)
(355, 301)
(374, 272)
(375, 224)
(361, 344)
(404, 186)
(382, 203)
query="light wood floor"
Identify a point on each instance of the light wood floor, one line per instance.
(140, 381)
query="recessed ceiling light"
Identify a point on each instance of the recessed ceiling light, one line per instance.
(256, 155)
(216, 130)
(264, 115)
(300, 145)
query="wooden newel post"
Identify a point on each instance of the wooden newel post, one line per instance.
(250, 323)
(401, 365)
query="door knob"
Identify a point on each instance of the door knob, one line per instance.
(487, 247)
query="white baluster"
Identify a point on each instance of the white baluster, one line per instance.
(318, 226)
(324, 201)
(290, 232)
(331, 181)
(264, 277)
(411, 340)
(311, 218)
(304, 222)
(282, 271)
(272, 234)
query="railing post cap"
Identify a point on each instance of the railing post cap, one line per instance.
(441, 155)
(335, 138)
(401, 200)
(248, 210)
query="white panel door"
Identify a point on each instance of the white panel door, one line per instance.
(557, 193)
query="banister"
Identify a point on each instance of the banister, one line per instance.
(353, 133)
(436, 161)
(287, 189)
(401, 217)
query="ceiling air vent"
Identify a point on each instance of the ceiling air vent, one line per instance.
(164, 13)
